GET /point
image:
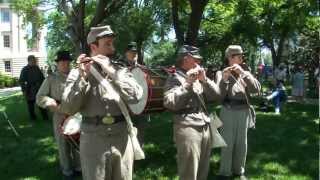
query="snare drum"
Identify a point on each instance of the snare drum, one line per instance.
(152, 82)
(70, 127)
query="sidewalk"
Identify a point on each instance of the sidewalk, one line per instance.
(9, 91)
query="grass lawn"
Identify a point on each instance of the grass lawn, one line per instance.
(281, 147)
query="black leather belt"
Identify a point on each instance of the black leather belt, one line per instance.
(103, 120)
(229, 102)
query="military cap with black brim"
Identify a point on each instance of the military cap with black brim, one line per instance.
(190, 50)
(99, 32)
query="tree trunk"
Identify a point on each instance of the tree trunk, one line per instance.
(274, 57)
(176, 22)
(82, 36)
(140, 52)
(197, 7)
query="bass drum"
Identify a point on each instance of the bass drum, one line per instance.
(70, 127)
(152, 81)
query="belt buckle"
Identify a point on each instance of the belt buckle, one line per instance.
(108, 120)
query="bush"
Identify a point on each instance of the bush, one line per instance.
(7, 81)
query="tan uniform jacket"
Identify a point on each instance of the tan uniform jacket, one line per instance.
(184, 102)
(87, 96)
(236, 92)
(52, 89)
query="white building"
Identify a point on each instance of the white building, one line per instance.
(13, 43)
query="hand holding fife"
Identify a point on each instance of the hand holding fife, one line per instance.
(192, 75)
(105, 64)
(202, 75)
(237, 69)
(191, 78)
(84, 65)
(226, 73)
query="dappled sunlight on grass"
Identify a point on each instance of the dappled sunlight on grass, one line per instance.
(281, 147)
(275, 168)
(30, 178)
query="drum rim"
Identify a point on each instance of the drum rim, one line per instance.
(144, 100)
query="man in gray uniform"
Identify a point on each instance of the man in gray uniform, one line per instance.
(106, 150)
(131, 57)
(131, 54)
(49, 96)
(236, 83)
(191, 123)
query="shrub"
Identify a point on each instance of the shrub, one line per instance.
(7, 81)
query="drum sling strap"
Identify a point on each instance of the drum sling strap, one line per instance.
(114, 95)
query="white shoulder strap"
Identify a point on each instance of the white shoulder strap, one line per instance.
(138, 152)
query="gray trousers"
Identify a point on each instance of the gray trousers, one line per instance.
(234, 131)
(69, 158)
(106, 152)
(194, 149)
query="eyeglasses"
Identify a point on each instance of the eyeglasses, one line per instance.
(240, 55)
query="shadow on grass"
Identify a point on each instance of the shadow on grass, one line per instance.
(286, 145)
(160, 162)
(281, 147)
(31, 156)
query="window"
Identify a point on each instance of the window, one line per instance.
(5, 15)
(6, 41)
(7, 66)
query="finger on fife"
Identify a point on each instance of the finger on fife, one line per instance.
(85, 60)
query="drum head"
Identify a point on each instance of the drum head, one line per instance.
(140, 77)
(72, 124)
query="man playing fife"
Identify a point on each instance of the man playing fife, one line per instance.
(106, 150)
(191, 122)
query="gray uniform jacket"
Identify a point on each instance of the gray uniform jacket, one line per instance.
(87, 96)
(183, 101)
(234, 92)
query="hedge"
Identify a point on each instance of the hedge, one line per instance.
(8, 81)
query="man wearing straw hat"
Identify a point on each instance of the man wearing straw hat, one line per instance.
(236, 83)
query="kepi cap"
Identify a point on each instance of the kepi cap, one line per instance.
(192, 50)
(98, 32)
(132, 46)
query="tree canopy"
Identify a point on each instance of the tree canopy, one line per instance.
(288, 28)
